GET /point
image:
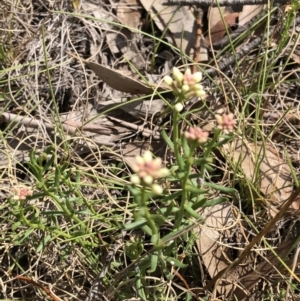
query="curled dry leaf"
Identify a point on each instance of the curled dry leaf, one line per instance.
(262, 164)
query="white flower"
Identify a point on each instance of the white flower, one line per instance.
(157, 189)
(178, 107)
(135, 179)
(197, 77)
(168, 80)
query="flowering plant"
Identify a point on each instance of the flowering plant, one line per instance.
(150, 179)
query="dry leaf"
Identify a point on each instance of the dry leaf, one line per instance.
(179, 22)
(119, 81)
(214, 17)
(217, 219)
(249, 12)
(129, 12)
(140, 108)
(273, 173)
(218, 31)
(119, 39)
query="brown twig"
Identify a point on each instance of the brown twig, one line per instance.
(45, 289)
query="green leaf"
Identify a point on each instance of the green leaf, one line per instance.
(195, 189)
(214, 202)
(57, 177)
(225, 139)
(159, 219)
(139, 286)
(167, 139)
(173, 196)
(153, 262)
(198, 204)
(220, 187)
(147, 230)
(177, 233)
(192, 212)
(167, 211)
(185, 146)
(175, 262)
(16, 225)
(43, 244)
(209, 168)
(135, 225)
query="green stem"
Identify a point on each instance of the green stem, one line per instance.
(147, 216)
(208, 151)
(184, 183)
(176, 139)
(27, 222)
(66, 211)
(57, 232)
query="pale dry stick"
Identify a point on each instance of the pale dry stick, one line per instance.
(295, 262)
(256, 240)
(69, 125)
(139, 129)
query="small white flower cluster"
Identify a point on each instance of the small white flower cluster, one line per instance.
(147, 169)
(185, 84)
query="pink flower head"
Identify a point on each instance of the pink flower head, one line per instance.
(148, 168)
(21, 193)
(196, 134)
(226, 122)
